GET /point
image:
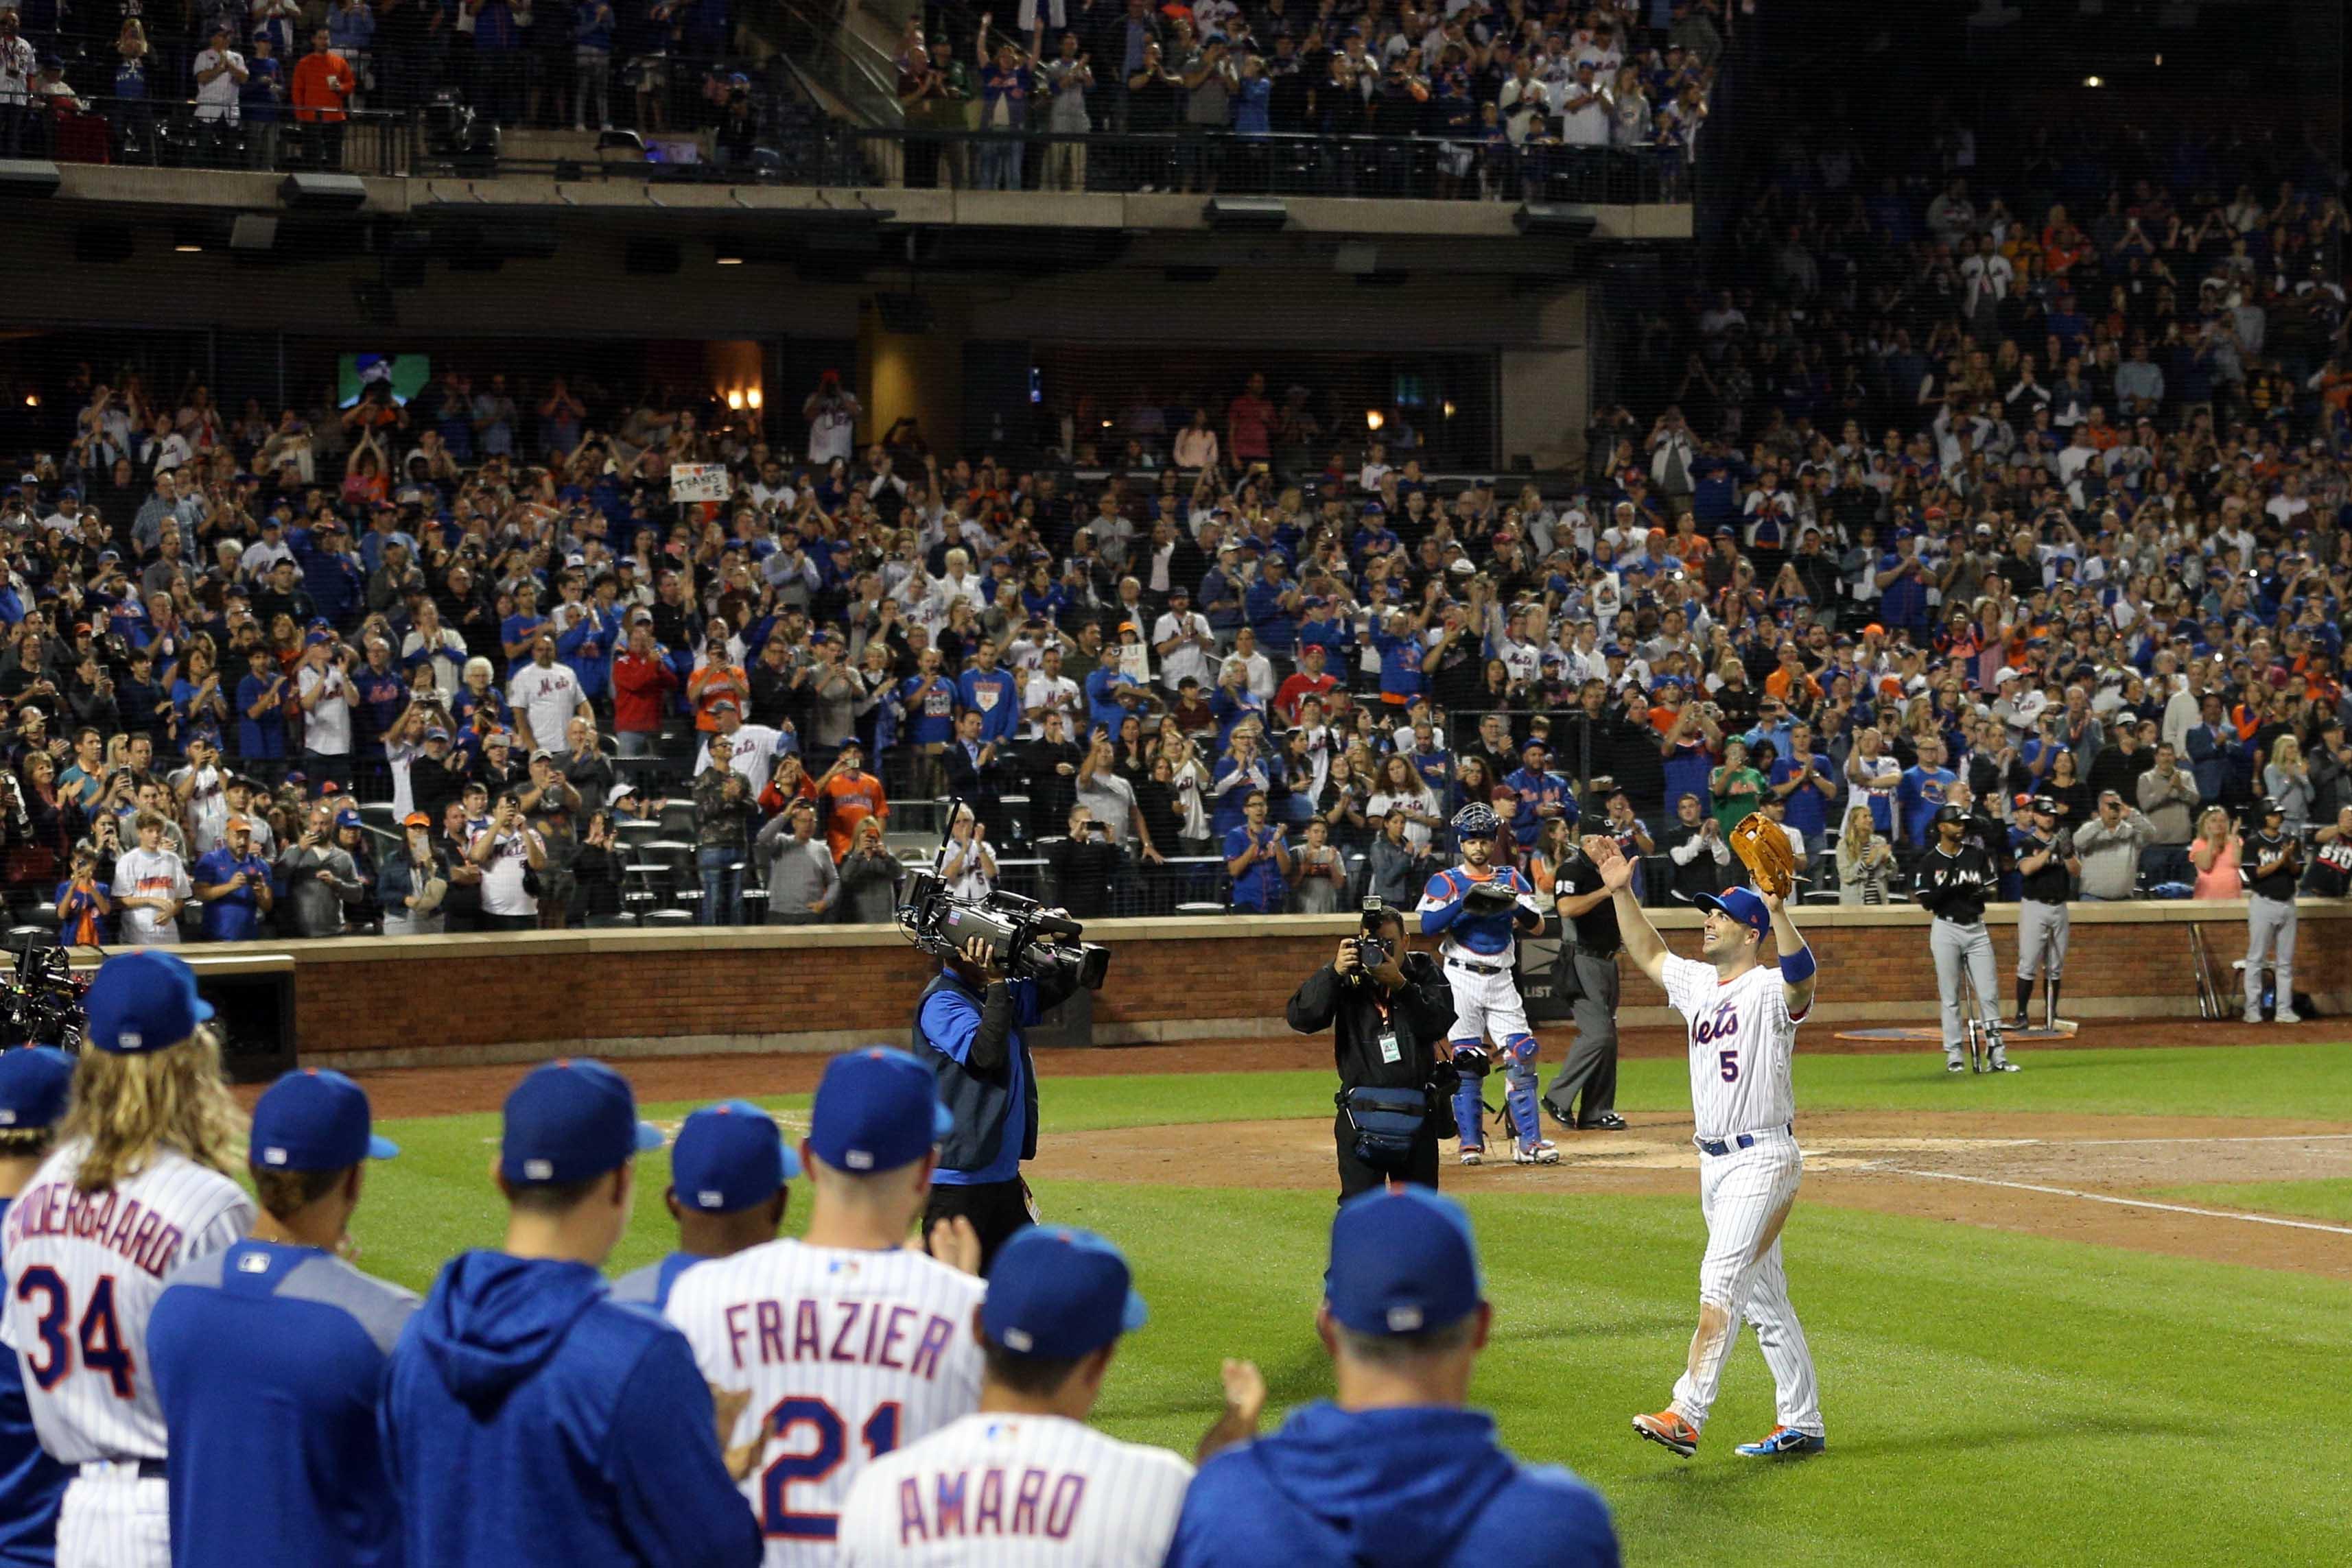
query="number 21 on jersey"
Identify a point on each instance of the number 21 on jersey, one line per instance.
(818, 1418)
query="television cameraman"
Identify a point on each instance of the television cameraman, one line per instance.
(968, 1025)
(1392, 1007)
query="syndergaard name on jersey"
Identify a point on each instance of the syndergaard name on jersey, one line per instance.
(84, 1270)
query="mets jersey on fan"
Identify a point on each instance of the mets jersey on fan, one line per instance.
(846, 1355)
(1742, 1038)
(1001, 1492)
(83, 1272)
(1482, 936)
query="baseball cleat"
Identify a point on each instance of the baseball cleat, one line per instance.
(2253, 1015)
(1562, 1117)
(1785, 1443)
(1474, 1156)
(1669, 1430)
(1999, 1063)
(1955, 1065)
(2020, 1023)
(2286, 1015)
(1607, 1121)
(1542, 1151)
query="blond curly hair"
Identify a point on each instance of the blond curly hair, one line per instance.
(127, 1106)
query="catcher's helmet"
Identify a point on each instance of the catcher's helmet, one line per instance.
(1476, 820)
(1947, 813)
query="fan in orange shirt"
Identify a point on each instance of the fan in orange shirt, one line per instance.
(850, 795)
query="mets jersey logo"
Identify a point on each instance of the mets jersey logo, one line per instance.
(1724, 1024)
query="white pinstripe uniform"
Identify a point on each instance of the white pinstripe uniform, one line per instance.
(83, 1272)
(846, 1355)
(1742, 1038)
(1005, 1491)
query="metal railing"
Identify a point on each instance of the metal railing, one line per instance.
(178, 133)
(1229, 162)
(175, 133)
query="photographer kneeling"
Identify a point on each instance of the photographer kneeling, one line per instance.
(1392, 1007)
(968, 1027)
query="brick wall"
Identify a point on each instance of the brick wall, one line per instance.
(376, 1002)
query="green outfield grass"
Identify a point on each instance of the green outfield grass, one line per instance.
(1992, 1397)
(2326, 1199)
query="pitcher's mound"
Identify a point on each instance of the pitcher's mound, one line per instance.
(1933, 1034)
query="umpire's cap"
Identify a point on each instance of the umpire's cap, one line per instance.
(1948, 812)
(1476, 820)
(1402, 1262)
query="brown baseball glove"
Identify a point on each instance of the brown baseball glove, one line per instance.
(1758, 840)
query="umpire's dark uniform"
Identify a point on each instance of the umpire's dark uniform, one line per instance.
(1586, 977)
(1374, 1025)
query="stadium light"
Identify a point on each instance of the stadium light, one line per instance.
(752, 397)
(2093, 82)
(1375, 419)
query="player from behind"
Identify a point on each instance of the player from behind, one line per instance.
(1395, 1468)
(33, 1086)
(1743, 1015)
(726, 1192)
(138, 1185)
(840, 1347)
(1023, 1478)
(529, 1418)
(1481, 909)
(278, 1323)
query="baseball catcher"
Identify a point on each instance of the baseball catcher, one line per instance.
(1480, 909)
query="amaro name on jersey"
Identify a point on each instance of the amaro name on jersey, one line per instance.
(1038, 1504)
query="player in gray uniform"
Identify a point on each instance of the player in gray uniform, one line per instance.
(2271, 864)
(2047, 866)
(1955, 880)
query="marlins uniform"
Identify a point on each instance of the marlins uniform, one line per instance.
(1001, 1491)
(1954, 887)
(846, 1355)
(1742, 1038)
(2043, 925)
(1481, 953)
(84, 1270)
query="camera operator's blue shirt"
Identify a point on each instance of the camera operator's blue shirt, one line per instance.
(949, 1019)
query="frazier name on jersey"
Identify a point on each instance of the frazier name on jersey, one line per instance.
(853, 1332)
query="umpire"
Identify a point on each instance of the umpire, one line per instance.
(1390, 1008)
(2046, 869)
(968, 1025)
(1585, 976)
(1955, 880)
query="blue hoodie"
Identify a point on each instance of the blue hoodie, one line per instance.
(1418, 1488)
(528, 1417)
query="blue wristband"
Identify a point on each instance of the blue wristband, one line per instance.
(1797, 967)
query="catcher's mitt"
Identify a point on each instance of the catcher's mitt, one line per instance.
(1758, 841)
(1486, 898)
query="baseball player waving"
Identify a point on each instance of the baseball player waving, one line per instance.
(139, 1184)
(1480, 909)
(1743, 1016)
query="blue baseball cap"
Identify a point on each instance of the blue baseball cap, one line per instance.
(1402, 1262)
(730, 1157)
(1741, 904)
(315, 1120)
(33, 1085)
(570, 1120)
(1057, 1293)
(143, 1001)
(876, 1110)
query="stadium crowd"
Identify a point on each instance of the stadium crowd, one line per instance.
(2095, 554)
(1498, 88)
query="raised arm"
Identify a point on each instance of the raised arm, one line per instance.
(1643, 943)
(1797, 967)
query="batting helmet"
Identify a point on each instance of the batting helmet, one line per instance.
(1476, 820)
(1947, 813)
